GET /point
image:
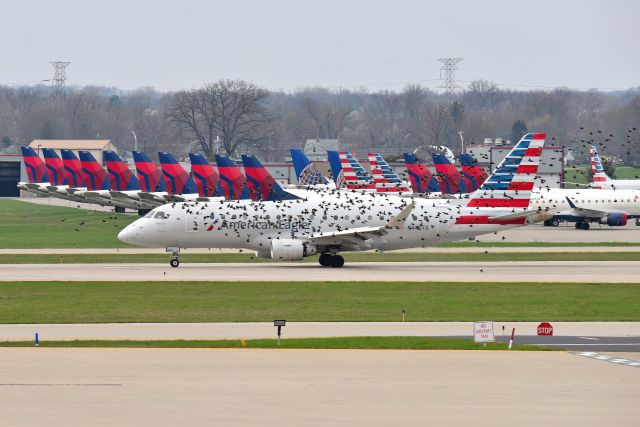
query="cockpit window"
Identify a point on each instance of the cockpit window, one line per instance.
(161, 215)
(149, 215)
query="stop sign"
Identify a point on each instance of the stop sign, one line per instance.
(545, 328)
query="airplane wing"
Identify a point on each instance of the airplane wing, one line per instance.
(513, 216)
(588, 213)
(361, 237)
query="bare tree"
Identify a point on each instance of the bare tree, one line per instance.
(231, 109)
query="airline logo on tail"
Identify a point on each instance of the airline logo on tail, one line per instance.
(306, 171)
(36, 169)
(474, 175)
(55, 167)
(234, 183)
(508, 189)
(599, 175)
(177, 180)
(72, 168)
(348, 172)
(95, 177)
(450, 178)
(206, 178)
(119, 173)
(422, 180)
(149, 175)
(261, 183)
(384, 177)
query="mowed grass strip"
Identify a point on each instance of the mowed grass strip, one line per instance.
(29, 225)
(370, 343)
(349, 257)
(106, 302)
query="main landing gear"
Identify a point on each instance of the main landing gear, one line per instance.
(175, 254)
(328, 260)
(582, 225)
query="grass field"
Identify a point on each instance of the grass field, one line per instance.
(372, 343)
(29, 225)
(349, 257)
(104, 302)
(578, 174)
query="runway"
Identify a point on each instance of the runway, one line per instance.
(549, 271)
(168, 387)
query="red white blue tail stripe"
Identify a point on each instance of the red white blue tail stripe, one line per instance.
(384, 177)
(599, 175)
(355, 176)
(508, 189)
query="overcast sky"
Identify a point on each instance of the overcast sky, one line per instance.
(334, 43)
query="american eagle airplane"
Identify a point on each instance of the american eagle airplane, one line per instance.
(601, 179)
(336, 222)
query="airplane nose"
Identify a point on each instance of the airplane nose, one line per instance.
(127, 235)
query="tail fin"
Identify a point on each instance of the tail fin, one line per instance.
(260, 180)
(36, 169)
(507, 191)
(149, 175)
(177, 180)
(474, 175)
(119, 173)
(451, 181)
(72, 168)
(599, 175)
(234, 183)
(55, 168)
(306, 171)
(384, 177)
(422, 180)
(206, 178)
(95, 177)
(348, 173)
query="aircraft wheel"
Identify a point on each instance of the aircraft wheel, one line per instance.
(579, 225)
(337, 261)
(555, 222)
(119, 209)
(325, 260)
(585, 225)
(174, 262)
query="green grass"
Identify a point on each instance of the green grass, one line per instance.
(104, 302)
(472, 244)
(579, 175)
(29, 225)
(627, 172)
(349, 257)
(370, 343)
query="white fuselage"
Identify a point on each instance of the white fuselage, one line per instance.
(617, 184)
(555, 201)
(253, 225)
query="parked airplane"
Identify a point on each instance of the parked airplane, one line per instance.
(474, 175)
(234, 183)
(348, 172)
(262, 185)
(180, 185)
(345, 221)
(601, 179)
(583, 206)
(449, 177)
(125, 185)
(421, 178)
(385, 178)
(37, 176)
(206, 178)
(307, 173)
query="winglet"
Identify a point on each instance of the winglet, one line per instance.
(398, 220)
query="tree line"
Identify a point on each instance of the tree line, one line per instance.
(236, 116)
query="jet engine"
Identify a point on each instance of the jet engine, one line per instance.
(615, 220)
(291, 249)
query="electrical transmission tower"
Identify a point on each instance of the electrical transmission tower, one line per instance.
(449, 66)
(59, 78)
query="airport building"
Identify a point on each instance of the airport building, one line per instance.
(95, 146)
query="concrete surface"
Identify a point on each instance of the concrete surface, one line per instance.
(253, 330)
(549, 271)
(168, 387)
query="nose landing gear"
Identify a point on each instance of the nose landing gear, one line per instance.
(175, 254)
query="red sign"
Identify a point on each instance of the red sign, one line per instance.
(545, 329)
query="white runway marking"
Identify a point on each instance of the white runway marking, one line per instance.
(612, 359)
